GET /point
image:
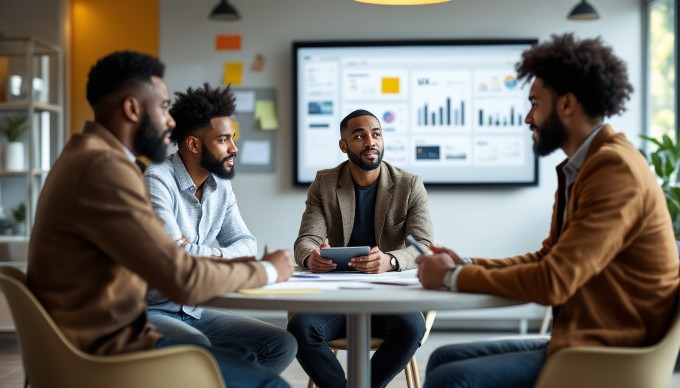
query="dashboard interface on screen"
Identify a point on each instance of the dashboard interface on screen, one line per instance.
(451, 111)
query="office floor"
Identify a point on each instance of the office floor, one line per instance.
(11, 373)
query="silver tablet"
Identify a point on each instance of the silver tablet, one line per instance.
(342, 255)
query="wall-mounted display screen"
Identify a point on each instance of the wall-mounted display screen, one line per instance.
(451, 111)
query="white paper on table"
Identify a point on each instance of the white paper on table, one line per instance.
(405, 277)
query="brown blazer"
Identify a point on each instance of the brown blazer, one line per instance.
(400, 210)
(614, 267)
(97, 244)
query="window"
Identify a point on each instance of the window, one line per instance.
(661, 69)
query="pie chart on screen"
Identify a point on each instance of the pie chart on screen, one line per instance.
(389, 117)
(510, 81)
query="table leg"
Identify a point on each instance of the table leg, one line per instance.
(358, 350)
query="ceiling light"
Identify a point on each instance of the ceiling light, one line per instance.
(583, 11)
(224, 12)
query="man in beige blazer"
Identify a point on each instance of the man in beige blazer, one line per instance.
(363, 201)
(610, 263)
(97, 244)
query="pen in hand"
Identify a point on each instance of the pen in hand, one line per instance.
(415, 244)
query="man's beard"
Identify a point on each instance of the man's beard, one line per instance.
(368, 166)
(148, 141)
(551, 135)
(216, 166)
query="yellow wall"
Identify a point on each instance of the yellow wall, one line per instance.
(100, 27)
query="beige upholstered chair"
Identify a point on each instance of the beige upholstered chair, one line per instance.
(591, 366)
(411, 369)
(50, 360)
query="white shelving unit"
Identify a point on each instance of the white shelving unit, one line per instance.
(31, 80)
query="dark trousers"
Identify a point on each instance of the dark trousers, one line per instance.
(236, 371)
(401, 333)
(492, 364)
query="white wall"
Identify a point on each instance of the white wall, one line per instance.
(42, 19)
(492, 222)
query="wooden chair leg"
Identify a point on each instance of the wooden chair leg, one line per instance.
(414, 372)
(409, 375)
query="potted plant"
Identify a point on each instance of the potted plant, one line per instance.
(15, 126)
(19, 214)
(665, 161)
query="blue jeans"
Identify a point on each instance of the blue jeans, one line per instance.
(401, 333)
(250, 353)
(506, 363)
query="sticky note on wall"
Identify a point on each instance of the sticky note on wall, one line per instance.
(234, 124)
(228, 42)
(390, 85)
(265, 114)
(233, 73)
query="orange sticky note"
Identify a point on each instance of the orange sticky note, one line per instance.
(233, 73)
(228, 42)
(234, 124)
(390, 85)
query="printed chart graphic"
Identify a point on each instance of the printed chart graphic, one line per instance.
(500, 114)
(369, 84)
(440, 101)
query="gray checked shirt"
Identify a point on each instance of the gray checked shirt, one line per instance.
(215, 218)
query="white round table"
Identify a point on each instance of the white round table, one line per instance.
(359, 305)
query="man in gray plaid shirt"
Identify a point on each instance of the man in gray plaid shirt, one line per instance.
(191, 191)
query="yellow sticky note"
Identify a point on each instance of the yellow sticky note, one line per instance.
(233, 73)
(265, 114)
(234, 124)
(259, 291)
(390, 85)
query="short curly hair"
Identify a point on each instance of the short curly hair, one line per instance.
(587, 68)
(359, 112)
(121, 70)
(195, 108)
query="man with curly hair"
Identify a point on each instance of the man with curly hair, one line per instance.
(191, 192)
(609, 266)
(97, 246)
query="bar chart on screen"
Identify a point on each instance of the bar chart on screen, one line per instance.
(440, 101)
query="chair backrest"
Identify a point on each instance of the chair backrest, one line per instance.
(36, 330)
(50, 360)
(643, 367)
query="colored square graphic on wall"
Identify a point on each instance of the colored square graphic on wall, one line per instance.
(390, 85)
(233, 73)
(228, 42)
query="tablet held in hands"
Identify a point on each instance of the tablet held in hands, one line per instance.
(342, 255)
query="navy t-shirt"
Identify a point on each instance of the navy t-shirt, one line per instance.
(363, 230)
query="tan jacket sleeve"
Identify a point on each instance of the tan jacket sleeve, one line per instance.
(609, 207)
(313, 230)
(124, 227)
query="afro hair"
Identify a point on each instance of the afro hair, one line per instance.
(587, 68)
(195, 108)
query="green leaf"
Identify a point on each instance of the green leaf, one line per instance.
(653, 140)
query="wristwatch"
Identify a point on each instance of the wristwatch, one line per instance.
(394, 263)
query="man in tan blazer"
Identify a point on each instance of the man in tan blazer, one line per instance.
(97, 243)
(610, 263)
(363, 201)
